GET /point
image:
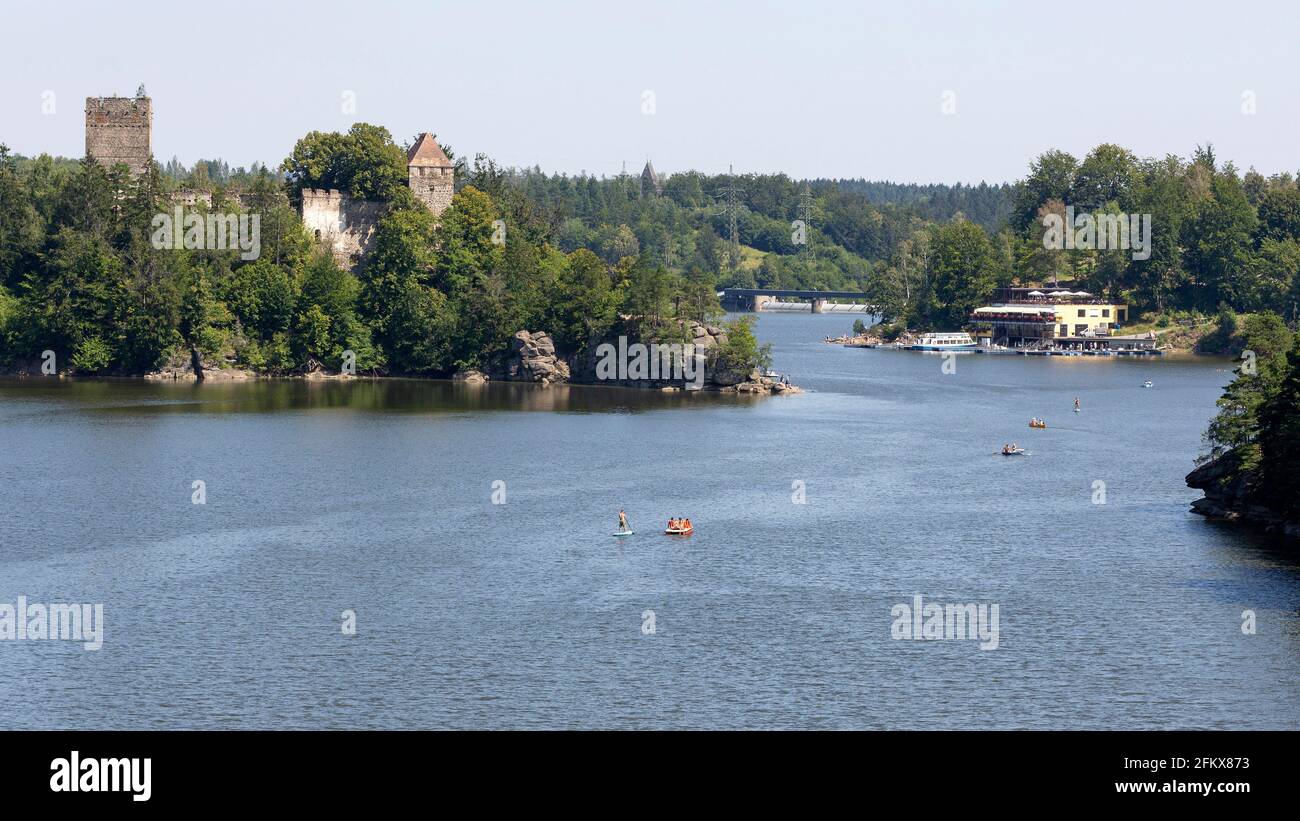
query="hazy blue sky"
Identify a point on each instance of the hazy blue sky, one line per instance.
(810, 88)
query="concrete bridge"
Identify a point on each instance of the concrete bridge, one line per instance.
(753, 299)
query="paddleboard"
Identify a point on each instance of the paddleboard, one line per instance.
(623, 533)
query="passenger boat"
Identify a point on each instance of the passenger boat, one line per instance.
(945, 342)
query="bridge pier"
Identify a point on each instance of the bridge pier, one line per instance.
(818, 306)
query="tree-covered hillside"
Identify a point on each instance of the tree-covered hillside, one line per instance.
(79, 275)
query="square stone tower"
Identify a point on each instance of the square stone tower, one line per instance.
(429, 173)
(119, 129)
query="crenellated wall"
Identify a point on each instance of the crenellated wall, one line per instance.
(346, 226)
(119, 129)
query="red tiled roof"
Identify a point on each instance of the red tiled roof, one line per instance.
(427, 152)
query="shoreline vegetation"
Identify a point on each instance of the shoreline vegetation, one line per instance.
(1251, 469)
(486, 289)
(1224, 335)
(571, 262)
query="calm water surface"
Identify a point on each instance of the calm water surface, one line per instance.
(377, 498)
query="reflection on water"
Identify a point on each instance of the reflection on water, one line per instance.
(388, 395)
(378, 497)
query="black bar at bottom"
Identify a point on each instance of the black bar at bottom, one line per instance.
(210, 770)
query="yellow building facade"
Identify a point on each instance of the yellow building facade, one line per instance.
(1024, 315)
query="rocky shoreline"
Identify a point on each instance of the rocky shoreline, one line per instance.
(532, 359)
(1231, 495)
(869, 340)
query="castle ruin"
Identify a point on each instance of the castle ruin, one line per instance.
(119, 130)
(430, 174)
(347, 226)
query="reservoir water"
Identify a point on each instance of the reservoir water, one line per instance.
(815, 515)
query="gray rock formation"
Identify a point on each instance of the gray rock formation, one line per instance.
(533, 359)
(1232, 493)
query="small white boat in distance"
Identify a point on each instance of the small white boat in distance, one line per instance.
(945, 342)
(1147, 384)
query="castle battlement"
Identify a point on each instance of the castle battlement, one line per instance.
(322, 195)
(347, 226)
(120, 130)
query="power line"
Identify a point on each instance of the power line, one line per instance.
(731, 194)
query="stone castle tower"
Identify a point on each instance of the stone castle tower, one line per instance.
(430, 174)
(347, 226)
(119, 129)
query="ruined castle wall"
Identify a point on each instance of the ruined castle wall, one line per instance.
(433, 186)
(343, 225)
(119, 129)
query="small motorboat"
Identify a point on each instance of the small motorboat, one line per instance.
(1039, 425)
(1148, 384)
(1014, 452)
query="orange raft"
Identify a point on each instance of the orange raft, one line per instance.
(679, 531)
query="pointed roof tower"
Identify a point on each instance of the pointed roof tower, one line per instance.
(649, 180)
(426, 153)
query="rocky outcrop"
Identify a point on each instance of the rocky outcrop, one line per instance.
(756, 382)
(187, 374)
(1231, 493)
(470, 377)
(533, 359)
(707, 338)
(671, 369)
(187, 365)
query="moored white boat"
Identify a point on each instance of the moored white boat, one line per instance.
(959, 341)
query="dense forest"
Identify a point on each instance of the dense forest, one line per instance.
(1252, 467)
(79, 275)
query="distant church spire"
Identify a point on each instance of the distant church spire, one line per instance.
(649, 181)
